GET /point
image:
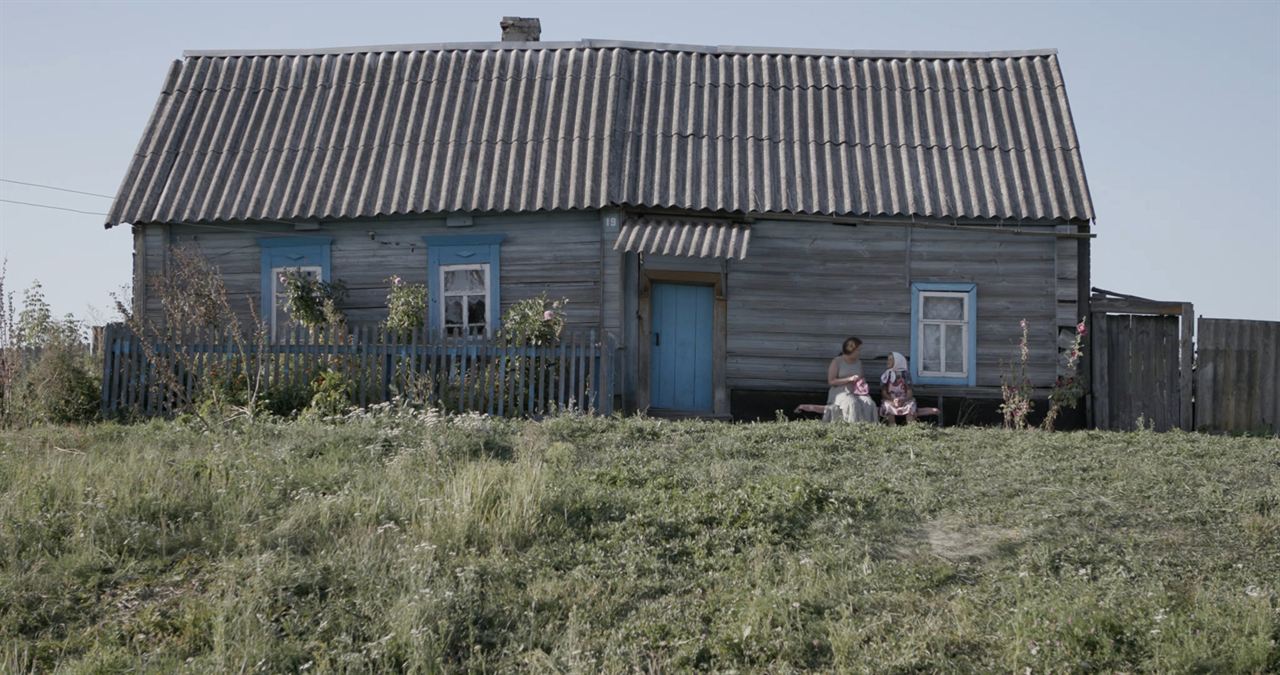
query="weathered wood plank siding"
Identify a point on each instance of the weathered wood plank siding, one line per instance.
(610, 273)
(1238, 376)
(1067, 267)
(558, 253)
(155, 255)
(611, 294)
(804, 287)
(1016, 280)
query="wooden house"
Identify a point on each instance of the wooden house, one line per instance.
(729, 214)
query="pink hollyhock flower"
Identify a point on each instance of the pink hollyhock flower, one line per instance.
(1080, 329)
(548, 315)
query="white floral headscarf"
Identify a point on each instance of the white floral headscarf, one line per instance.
(899, 365)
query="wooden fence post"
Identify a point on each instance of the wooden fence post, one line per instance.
(1185, 363)
(106, 343)
(1101, 395)
(606, 375)
(589, 385)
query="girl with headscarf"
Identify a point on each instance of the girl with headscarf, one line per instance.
(896, 397)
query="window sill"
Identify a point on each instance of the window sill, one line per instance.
(963, 381)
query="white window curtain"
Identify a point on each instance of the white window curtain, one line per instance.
(944, 333)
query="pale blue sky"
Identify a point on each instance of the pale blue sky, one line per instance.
(1177, 107)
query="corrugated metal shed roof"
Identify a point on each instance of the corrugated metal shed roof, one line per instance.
(688, 237)
(357, 132)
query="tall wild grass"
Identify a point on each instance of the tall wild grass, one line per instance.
(416, 543)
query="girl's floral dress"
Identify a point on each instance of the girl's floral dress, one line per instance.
(899, 400)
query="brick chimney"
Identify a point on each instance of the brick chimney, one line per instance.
(521, 29)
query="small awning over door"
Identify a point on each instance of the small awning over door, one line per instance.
(689, 237)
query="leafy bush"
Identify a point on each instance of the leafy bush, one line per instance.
(1069, 387)
(312, 302)
(46, 375)
(222, 390)
(406, 306)
(57, 388)
(534, 321)
(287, 399)
(331, 393)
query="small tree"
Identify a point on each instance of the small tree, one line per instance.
(34, 321)
(193, 299)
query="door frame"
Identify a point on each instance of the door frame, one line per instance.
(719, 341)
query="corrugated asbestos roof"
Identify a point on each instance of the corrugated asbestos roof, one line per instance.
(505, 127)
(692, 238)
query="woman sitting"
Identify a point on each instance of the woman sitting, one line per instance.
(848, 398)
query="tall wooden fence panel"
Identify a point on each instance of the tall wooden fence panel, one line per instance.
(153, 377)
(1238, 376)
(1135, 369)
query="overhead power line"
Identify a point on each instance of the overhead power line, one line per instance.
(47, 206)
(225, 228)
(54, 187)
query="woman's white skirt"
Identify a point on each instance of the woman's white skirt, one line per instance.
(847, 407)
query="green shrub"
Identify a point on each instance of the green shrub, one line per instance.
(312, 302)
(46, 375)
(223, 388)
(331, 393)
(57, 388)
(406, 306)
(534, 321)
(287, 399)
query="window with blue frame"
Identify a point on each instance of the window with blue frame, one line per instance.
(308, 256)
(463, 282)
(944, 337)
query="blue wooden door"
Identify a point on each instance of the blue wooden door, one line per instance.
(680, 347)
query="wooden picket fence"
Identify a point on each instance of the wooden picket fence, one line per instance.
(155, 377)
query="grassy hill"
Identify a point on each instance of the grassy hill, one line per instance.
(420, 544)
